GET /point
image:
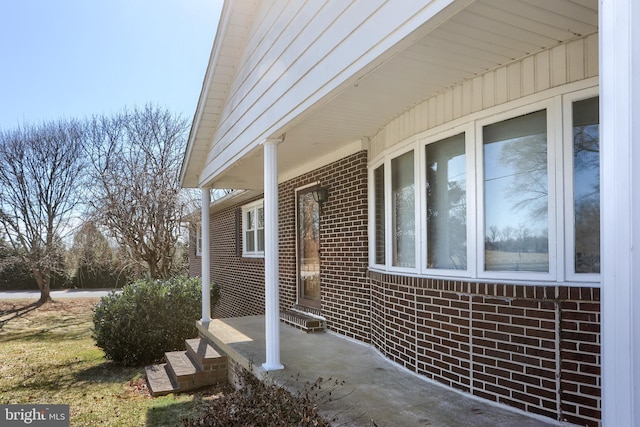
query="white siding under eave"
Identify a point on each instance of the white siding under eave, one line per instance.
(302, 52)
(570, 62)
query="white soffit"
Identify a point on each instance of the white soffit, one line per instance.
(485, 35)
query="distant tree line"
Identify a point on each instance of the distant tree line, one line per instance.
(516, 239)
(94, 202)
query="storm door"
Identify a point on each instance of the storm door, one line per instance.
(308, 234)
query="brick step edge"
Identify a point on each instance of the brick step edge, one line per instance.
(302, 321)
(159, 381)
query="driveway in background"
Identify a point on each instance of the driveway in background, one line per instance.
(58, 293)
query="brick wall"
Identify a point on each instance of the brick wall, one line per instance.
(343, 239)
(511, 344)
(531, 347)
(343, 245)
(241, 279)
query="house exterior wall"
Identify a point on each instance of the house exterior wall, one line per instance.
(343, 245)
(513, 344)
(343, 231)
(509, 343)
(534, 347)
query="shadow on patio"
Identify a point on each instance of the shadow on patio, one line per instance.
(376, 391)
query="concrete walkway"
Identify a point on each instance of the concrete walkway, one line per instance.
(376, 392)
(60, 293)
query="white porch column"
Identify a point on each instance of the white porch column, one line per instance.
(271, 256)
(206, 256)
(620, 157)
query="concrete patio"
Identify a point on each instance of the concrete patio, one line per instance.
(376, 391)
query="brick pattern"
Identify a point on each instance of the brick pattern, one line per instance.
(343, 245)
(534, 348)
(241, 279)
(343, 259)
(580, 357)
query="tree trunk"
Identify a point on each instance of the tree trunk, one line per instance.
(43, 284)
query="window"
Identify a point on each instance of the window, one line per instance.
(198, 241)
(446, 189)
(584, 206)
(379, 217)
(253, 229)
(404, 210)
(516, 192)
(513, 195)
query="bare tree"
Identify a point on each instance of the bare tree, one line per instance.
(40, 172)
(136, 157)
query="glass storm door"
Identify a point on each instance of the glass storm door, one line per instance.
(308, 249)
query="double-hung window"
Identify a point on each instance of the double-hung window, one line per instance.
(253, 229)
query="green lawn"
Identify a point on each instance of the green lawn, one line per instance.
(47, 356)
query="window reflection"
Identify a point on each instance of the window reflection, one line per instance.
(446, 204)
(516, 194)
(586, 185)
(403, 189)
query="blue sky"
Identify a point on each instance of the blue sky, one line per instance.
(76, 58)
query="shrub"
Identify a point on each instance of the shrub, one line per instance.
(148, 318)
(262, 403)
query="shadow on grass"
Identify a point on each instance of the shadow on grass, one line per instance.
(166, 411)
(16, 312)
(169, 414)
(108, 372)
(61, 330)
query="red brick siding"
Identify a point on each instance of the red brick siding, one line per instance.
(343, 240)
(343, 245)
(534, 348)
(241, 279)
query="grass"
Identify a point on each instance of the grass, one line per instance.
(47, 356)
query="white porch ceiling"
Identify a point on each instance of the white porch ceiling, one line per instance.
(485, 35)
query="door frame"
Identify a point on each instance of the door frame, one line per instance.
(300, 300)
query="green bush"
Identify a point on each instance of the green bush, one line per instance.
(148, 318)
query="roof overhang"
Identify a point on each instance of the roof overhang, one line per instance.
(481, 36)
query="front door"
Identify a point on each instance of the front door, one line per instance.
(308, 249)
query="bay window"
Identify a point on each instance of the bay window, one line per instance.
(506, 196)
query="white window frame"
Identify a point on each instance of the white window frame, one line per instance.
(553, 135)
(372, 214)
(469, 150)
(253, 206)
(558, 104)
(198, 241)
(568, 100)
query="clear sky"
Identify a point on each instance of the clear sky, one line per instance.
(76, 58)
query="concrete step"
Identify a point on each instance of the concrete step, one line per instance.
(200, 365)
(182, 370)
(204, 355)
(302, 321)
(159, 381)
